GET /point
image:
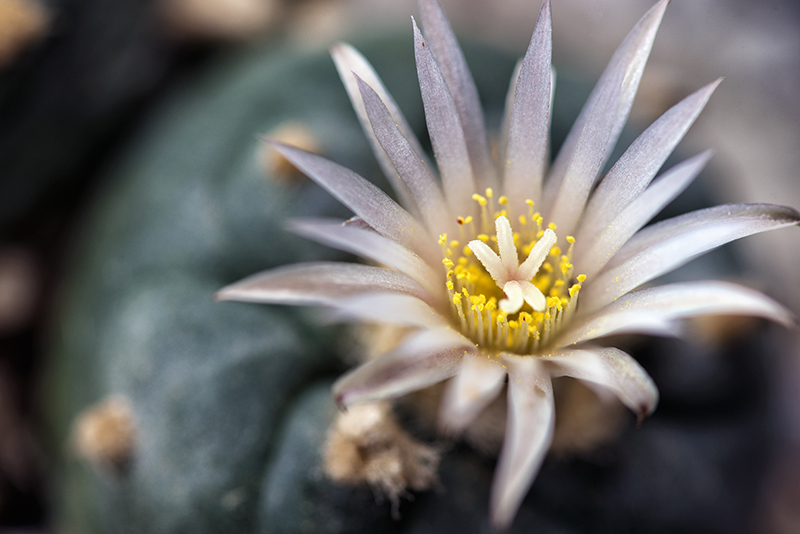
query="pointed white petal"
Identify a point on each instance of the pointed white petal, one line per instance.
(320, 283)
(529, 432)
(628, 61)
(364, 199)
(426, 358)
(477, 383)
(505, 125)
(505, 244)
(373, 246)
(612, 369)
(664, 246)
(409, 164)
(462, 88)
(638, 311)
(631, 174)
(526, 156)
(588, 158)
(490, 260)
(446, 131)
(514, 298)
(533, 296)
(591, 259)
(385, 307)
(537, 255)
(350, 63)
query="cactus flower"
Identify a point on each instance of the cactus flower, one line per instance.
(505, 268)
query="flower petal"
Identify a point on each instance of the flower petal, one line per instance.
(638, 311)
(612, 369)
(365, 199)
(462, 88)
(426, 358)
(591, 259)
(626, 64)
(351, 64)
(529, 432)
(526, 155)
(477, 383)
(321, 283)
(631, 174)
(446, 131)
(587, 160)
(373, 246)
(409, 164)
(386, 307)
(669, 244)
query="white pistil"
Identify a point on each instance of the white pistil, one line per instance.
(514, 279)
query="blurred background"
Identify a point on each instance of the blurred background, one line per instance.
(78, 78)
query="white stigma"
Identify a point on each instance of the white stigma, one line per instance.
(511, 276)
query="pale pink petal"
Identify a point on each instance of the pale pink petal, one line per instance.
(373, 246)
(446, 131)
(350, 63)
(529, 432)
(385, 307)
(478, 381)
(591, 259)
(631, 174)
(319, 283)
(587, 159)
(426, 358)
(526, 155)
(409, 164)
(365, 199)
(640, 310)
(664, 246)
(505, 125)
(628, 63)
(612, 369)
(462, 88)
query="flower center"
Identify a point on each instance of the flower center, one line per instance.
(499, 302)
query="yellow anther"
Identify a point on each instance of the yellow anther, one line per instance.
(539, 234)
(453, 243)
(566, 267)
(467, 251)
(555, 251)
(460, 220)
(479, 199)
(574, 290)
(462, 261)
(559, 283)
(457, 299)
(468, 219)
(570, 239)
(552, 301)
(523, 220)
(538, 218)
(449, 273)
(503, 200)
(547, 267)
(447, 262)
(466, 293)
(552, 226)
(483, 237)
(489, 192)
(529, 202)
(513, 324)
(449, 285)
(443, 239)
(581, 278)
(491, 305)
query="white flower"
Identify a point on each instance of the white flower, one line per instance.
(450, 255)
